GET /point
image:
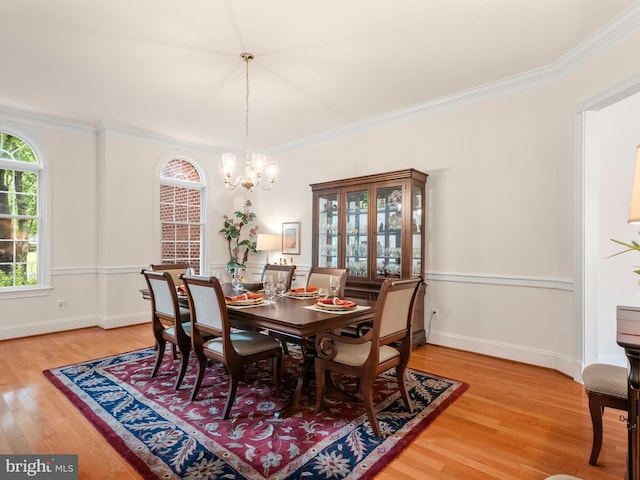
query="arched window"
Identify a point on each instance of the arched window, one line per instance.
(20, 221)
(181, 214)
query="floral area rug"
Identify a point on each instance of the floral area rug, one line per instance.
(165, 435)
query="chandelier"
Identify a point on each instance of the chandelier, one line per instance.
(254, 165)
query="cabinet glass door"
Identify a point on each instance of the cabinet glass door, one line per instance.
(328, 231)
(356, 241)
(416, 229)
(389, 232)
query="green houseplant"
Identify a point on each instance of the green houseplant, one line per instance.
(232, 231)
(629, 247)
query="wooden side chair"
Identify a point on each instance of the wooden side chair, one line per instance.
(275, 269)
(175, 269)
(606, 386)
(170, 322)
(386, 345)
(319, 277)
(212, 338)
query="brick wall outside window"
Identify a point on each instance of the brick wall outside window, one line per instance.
(181, 214)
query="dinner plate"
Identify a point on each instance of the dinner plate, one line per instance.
(251, 301)
(302, 294)
(330, 307)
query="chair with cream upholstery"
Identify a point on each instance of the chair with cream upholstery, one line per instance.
(170, 322)
(319, 277)
(213, 339)
(606, 386)
(175, 269)
(386, 345)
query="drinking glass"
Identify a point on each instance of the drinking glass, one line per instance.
(269, 290)
(268, 282)
(281, 285)
(334, 285)
(235, 280)
(323, 292)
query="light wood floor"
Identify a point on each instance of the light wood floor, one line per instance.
(516, 421)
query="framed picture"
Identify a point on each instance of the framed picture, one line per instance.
(291, 238)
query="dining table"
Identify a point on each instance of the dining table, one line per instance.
(295, 319)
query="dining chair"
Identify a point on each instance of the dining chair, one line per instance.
(274, 269)
(213, 339)
(171, 322)
(319, 277)
(386, 345)
(175, 269)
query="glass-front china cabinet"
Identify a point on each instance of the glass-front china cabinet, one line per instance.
(374, 227)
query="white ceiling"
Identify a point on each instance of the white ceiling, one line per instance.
(173, 67)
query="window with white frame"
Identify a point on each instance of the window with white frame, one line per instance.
(20, 221)
(181, 216)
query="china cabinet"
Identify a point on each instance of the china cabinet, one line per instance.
(374, 227)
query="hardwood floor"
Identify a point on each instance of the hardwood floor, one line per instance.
(516, 421)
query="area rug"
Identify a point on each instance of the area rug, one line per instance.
(165, 435)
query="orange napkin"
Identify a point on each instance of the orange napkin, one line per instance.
(308, 289)
(181, 290)
(244, 296)
(336, 301)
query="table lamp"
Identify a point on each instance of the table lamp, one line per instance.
(267, 242)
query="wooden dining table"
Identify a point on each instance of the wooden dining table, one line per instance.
(294, 321)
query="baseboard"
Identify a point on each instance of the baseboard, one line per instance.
(123, 320)
(46, 326)
(542, 358)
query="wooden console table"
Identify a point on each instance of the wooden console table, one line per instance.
(628, 337)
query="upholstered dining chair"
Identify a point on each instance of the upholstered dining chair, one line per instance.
(386, 345)
(175, 269)
(234, 349)
(275, 269)
(319, 277)
(606, 386)
(170, 322)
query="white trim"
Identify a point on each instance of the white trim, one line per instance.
(504, 280)
(13, 116)
(518, 353)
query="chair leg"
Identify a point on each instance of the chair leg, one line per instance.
(202, 365)
(596, 408)
(275, 367)
(320, 384)
(184, 363)
(366, 392)
(401, 375)
(159, 354)
(233, 387)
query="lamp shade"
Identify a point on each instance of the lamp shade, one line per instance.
(268, 241)
(634, 208)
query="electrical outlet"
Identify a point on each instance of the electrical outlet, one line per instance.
(435, 313)
(60, 303)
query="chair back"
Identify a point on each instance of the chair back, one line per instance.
(164, 300)
(207, 305)
(274, 269)
(394, 310)
(319, 277)
(175, 269)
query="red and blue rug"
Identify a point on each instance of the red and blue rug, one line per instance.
(165, 435)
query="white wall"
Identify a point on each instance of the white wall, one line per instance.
(617, 129)
(501, 200)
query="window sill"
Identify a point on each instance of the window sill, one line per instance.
(25, 292)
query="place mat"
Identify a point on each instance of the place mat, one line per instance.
(358, 308)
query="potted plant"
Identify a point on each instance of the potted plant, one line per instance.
(232, 231)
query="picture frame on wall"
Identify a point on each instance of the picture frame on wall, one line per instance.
(291, 238)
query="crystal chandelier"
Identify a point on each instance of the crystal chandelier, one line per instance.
(254, 165)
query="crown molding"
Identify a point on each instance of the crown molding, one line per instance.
(615, 31)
